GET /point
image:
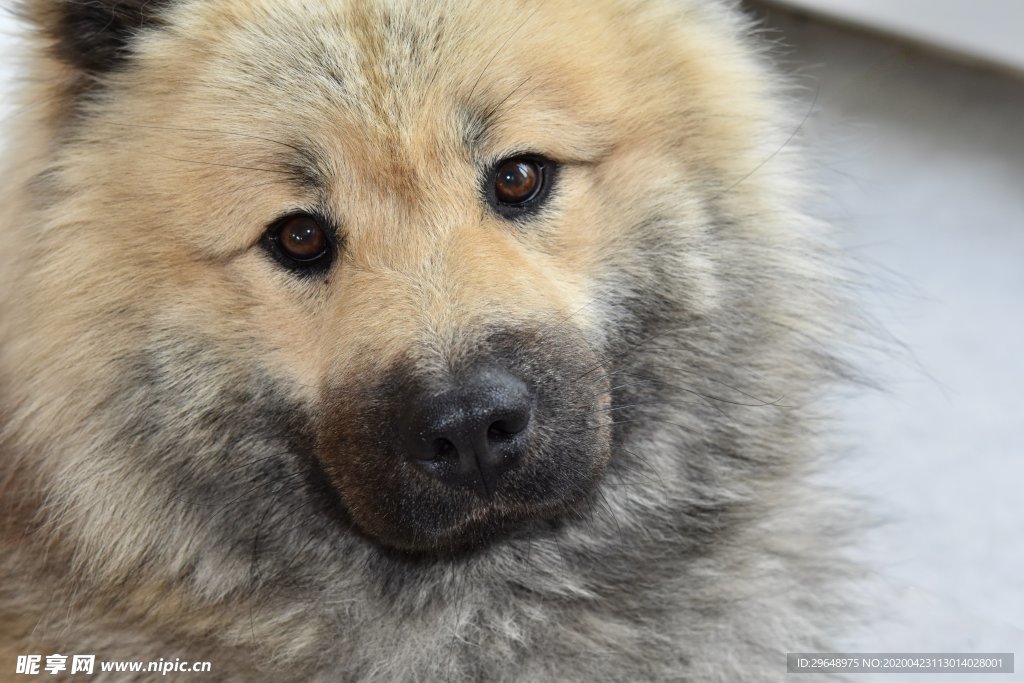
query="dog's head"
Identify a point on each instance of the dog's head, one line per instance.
(322, 278)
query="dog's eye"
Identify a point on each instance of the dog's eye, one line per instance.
(302, 239)
(517, 180)
(518, 185)
(300, 242)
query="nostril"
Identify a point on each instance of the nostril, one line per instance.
(508, 426)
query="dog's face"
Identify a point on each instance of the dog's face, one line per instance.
(384, 277)
(403, 223)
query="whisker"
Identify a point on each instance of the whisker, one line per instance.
(628, 405)
(605, 505)
(210, 131)
(645, 461)
(603, 425)
(492, 111)
(508, 38)
(761, 403)
(254, 573)
(213, 163)
(792, 136)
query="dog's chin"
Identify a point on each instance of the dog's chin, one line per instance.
(481, 526)
(476, 534)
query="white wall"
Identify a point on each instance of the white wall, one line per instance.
(990, 30)
(919, 162)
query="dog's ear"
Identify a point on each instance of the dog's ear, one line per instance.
(93, 36)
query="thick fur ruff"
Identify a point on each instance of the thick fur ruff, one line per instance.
(168, 390)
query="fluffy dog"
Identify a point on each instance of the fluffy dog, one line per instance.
(412, 340)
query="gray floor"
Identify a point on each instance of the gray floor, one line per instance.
(921, 166)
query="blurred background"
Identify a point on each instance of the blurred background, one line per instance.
(915, 136)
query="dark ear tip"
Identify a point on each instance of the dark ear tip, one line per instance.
(93, 36)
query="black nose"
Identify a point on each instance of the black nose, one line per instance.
(470, 435)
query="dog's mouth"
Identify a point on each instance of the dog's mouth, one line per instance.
(478, 529)
(443, 462)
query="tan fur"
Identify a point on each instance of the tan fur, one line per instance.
(140, 209)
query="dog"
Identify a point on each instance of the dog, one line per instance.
(393, 340)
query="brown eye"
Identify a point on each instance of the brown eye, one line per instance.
(300, 243)
(517, 180)
(302, 239)
(519, 184)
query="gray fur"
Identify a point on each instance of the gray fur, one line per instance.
(705, 554)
